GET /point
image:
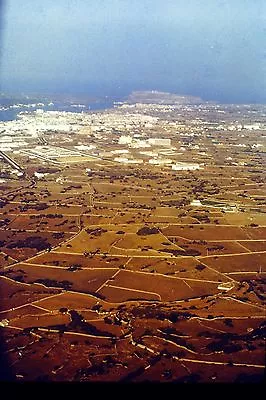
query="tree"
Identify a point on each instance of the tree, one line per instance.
(200, 267)
(228, 322)
(63, 310)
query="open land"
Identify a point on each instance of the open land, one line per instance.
(132, 244)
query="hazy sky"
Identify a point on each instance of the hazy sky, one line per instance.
(211, 48)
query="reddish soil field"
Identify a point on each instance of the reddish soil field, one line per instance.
(44, 223)
(40, 320)
(183, 267)
(72, 301)
(67, 260)
(256, 233)
(255, 246)
(237, 263)
(230, 307)
(87, 242)
(21, 245)
(15, 294)
(120, 295)
(85, 281)
(207, 232)
(88, 220)
(21, 311)
(168, 289)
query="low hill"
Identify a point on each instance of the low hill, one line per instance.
(156, 97)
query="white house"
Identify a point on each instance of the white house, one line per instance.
(196, 203)
(125, 139)
(159, 142)
(226, 286)
(182, 166)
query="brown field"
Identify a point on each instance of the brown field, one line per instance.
(132, 241)
(66, 210)
(86, 242)
(88, 220)
(15, 294)
(21, 254)
(230, 307)
(21, 312)
(85, 281)
(181, 267)
(120, 295)
(255, 245)
(245, 219)
(67, 260)
(71, 301)
(44, 223)
(210, 247)
(240, 325)
(256, 233)
(207, 232)
(130, 218)
(168, 289)
(164, 221)
(40, 320)
(112, 227)
(236, 263)
(11, 238)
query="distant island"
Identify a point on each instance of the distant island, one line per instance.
(156, 97)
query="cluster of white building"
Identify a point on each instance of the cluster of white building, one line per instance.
(134, 141)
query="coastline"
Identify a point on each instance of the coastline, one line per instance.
(11, 114)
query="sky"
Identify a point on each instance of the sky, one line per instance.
(214, 49)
